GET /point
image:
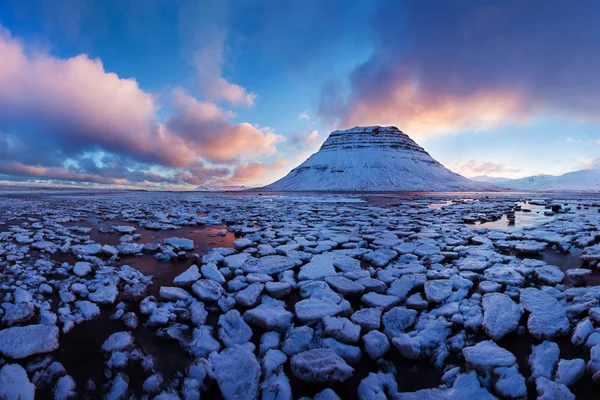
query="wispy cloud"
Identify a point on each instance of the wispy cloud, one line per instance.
(204, 23)
(304, 115)
(472, 168)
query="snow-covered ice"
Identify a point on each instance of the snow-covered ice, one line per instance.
(291, 289)
(23, 341)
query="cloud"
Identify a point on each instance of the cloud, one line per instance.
(253, 171)
(469, 65)
(204, 24)
(589, 163)
(305, 140)
(585, 141)
(248, 172)
(471, 168)
(303, 115)
(209, 131)
(55, 110)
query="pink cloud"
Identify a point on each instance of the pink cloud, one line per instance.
(403, 103)
(253, 171)
(472, 168)
(208, 130)
(77, 107)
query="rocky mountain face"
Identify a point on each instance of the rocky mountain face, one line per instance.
(373, 158)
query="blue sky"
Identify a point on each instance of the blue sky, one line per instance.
(177, 94)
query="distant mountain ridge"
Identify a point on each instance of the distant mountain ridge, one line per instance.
(220, 188)
(586, 180)
(374, 158)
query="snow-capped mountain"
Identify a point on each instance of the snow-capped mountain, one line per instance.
(220, 188)
(584, 180)
(377, 159)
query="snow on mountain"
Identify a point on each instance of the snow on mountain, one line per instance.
(375, 159)
(220, 188)
(584, 180)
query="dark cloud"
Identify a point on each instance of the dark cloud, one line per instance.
(470, 64)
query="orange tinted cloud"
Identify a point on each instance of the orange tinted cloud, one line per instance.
(76, 107)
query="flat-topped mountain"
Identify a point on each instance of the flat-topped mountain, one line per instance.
(373, 158)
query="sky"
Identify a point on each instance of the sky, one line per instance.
(170, 95)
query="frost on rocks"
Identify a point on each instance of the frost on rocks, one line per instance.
(380, 300)
(207, 290)
(270, 265)
(188, 277)
(397, 320)
(319, 267)
(377, 386)
(341, 329)
(367, 318)
(438, 290)
(249, 296)
(14, 383)
(549, 274)
(549, 390)
(569, 372)
(314, 309)
(320, 366)
(376, 344)
(173, 293)
(297, 340)
(345, 286)
(233, 330)
(547, 317)
(237, 372)
(465, 386)
(543, 359)
(105, 294)
(487, 355)
(501, 315)
(65, 388)
(118, 341)
(81, 269)
(23, 341)
(180, 243)
(269, 316)
(581, 332)
(510, 383)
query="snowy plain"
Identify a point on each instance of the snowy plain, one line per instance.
(266, 295)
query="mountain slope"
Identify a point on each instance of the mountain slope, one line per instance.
(375, 159)
(584, 180)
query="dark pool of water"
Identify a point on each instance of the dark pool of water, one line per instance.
(80, 350)
(521, 347)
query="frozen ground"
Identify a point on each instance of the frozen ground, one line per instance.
(240, 296)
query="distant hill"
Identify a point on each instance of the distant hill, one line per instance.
(587, 180)
(220, 188)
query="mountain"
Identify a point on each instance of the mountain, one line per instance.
(220, 188)
(584, 180)
(376, 159)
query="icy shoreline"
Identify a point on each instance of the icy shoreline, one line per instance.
(284, 296)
